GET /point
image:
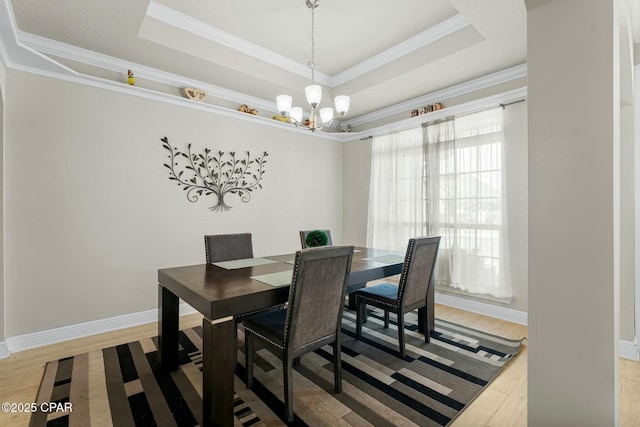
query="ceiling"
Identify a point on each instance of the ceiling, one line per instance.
(379, 52)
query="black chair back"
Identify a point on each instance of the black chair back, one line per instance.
(227, 247)
(417, 271)
(316, 296)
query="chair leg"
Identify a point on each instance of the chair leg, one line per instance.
(337, 366)
(427, 333)
(401, 335)
(386, 319)
(248, 357)
(364, 312)
(359, 305)
(288, 395)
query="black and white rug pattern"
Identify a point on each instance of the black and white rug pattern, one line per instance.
(124, 385)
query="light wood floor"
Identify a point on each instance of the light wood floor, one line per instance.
(503, 403)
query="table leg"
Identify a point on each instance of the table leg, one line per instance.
(168, 329)
(351, 304)
(217, 371)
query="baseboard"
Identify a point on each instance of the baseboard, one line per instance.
(4, 350)
(503, 313)
(629, 350)
(81, 330)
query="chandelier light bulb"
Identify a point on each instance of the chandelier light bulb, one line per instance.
(284, 104)
(314, 95)
(326, 114)
(342, 104)
(296, 114)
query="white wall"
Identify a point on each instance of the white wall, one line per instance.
(357, 170)
(91, 214)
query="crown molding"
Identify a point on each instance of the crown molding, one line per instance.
(430, 35)
(114, 64)
(13, 52)
(460, 109)
(172, 99)
(94, 59)
(87, 57)
(184, 22)
(480, 83)
(187, 23)
(41, 45)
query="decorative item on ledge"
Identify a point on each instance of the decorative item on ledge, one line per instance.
(282, 119)
(194, 94)
(427, 109)
(130, 79)
(246, 109)
(218, 173)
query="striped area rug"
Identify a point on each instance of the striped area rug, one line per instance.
(124, 385)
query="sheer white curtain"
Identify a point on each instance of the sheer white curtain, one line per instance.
(464, 162)
(397, 211)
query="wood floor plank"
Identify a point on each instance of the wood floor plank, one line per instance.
(21, 373)
(513, 412)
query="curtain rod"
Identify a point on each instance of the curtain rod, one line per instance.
(450, 117)
(514, 102)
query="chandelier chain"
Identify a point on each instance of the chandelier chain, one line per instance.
(312, 65)
(313, 93)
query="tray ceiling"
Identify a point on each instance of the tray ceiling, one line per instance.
(379, 52)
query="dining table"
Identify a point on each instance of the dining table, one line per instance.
(220, 291)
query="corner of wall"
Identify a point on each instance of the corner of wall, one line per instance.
(629, 350)
(4, 350)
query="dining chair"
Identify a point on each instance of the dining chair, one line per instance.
(228, 247)
(409, 294)
(311, 319)
(314, 238)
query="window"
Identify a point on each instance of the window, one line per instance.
(397, 190)
(466, 190)
(446, 179)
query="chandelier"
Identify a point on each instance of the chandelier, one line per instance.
(313, 94)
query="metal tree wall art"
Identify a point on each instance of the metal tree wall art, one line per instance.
(218, 173)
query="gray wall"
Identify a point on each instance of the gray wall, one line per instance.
(91, 214)
(627, 226)
(357, 170)
(574, 205)
(2, 295)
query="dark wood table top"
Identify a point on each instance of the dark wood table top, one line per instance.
(217, 292)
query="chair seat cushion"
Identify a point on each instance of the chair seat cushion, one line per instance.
(386, 293)
(269, 325)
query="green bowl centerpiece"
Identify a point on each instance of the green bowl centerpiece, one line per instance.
(316, 238)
